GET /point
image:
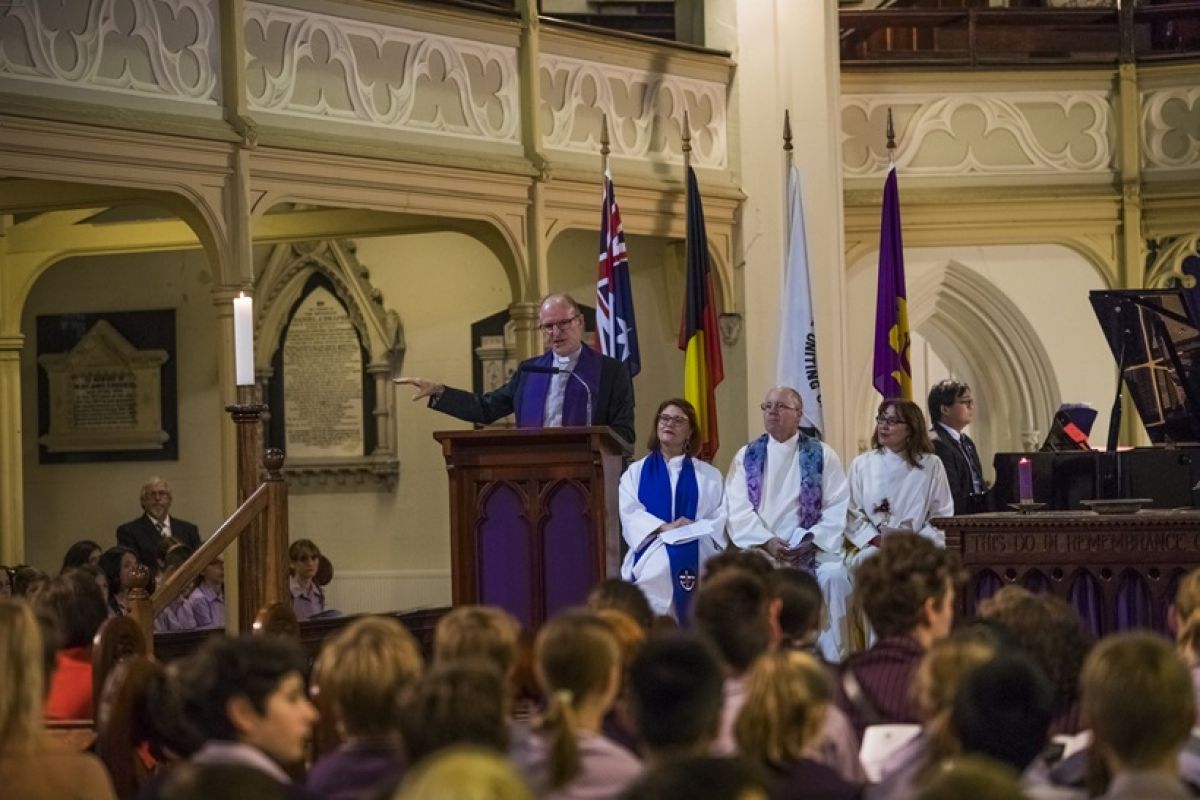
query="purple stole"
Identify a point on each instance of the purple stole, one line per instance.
(812, 469)
(531, 401)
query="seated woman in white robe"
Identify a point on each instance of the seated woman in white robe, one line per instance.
(897, 485)
(672, 512)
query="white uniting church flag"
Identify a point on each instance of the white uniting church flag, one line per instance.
(615, 326)
(797, 330)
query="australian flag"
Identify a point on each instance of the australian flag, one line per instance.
(615, 326)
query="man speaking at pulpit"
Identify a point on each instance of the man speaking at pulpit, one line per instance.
(568, 385)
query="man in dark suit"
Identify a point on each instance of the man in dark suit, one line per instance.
(951, 408)
(142, 535)
(556, 389)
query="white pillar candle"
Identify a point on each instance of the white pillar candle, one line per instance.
(243, 339)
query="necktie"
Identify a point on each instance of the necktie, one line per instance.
(973, 461)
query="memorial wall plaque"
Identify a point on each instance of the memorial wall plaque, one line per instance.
(322, 380)
(107, 386)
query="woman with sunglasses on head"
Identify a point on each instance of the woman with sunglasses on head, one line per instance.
(672, 512)
(897, 485)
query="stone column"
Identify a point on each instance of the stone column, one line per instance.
(788, 57)
(525, 330)
(12, 482)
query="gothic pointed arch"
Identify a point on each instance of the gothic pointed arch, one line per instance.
(291, 272)
(972, 324)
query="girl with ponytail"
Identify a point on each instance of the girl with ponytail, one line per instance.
(578, 664)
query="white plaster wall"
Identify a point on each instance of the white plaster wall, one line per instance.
(68, 502)
(1048, 283)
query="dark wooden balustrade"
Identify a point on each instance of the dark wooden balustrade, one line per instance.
(963, 33)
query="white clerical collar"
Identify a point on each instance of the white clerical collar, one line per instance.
(955, 435)
(568, 361)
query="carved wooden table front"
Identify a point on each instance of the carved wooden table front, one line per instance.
(1120, 571)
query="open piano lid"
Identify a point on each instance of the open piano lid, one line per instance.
(1157, 338)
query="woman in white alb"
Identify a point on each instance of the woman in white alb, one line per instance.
(672, 512)
(897, 485)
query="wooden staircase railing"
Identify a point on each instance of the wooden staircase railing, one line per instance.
(259, 525)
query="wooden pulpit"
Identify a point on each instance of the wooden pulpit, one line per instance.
(533, 516)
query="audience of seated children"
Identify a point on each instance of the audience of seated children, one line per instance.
(934, 687)
(465, 773)
(27, 581)
(457, 702)
(490, 634)
(972, 779)
(801, 609)
(623, 596)
(32, 767)
(366, 673)
(82, 552)
(120, 566)
(578, 663)
(1137, 694)
(72, 603)
(906, 590)
(308, 598)
(739, 616)
(207, 600)
(94, 572)
(787, 696)
(733, 613)
(178, 615)
(208, 781)
(246, 700)
(1002, 710)
(675, 691)
(1050, 631)
(700, 778)
(618, 724)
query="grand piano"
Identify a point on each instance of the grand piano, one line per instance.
(1155, 339)
(1118, 570)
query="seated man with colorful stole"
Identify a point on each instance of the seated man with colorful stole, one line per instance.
(557, 389)
(672, 512)
(787, 494)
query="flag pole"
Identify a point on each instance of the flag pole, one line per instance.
(891, 140)
(604, 151)
(788, 158)
(687, 164)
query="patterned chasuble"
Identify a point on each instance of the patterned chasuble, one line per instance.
(812, 468)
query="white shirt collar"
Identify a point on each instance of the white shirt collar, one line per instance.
(164, 526)
(955, 435)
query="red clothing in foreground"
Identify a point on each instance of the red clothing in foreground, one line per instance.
(70, 695)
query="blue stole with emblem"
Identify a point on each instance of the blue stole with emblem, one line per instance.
(654, 492)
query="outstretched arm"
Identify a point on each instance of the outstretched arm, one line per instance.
(484, 408)
(421, 387)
